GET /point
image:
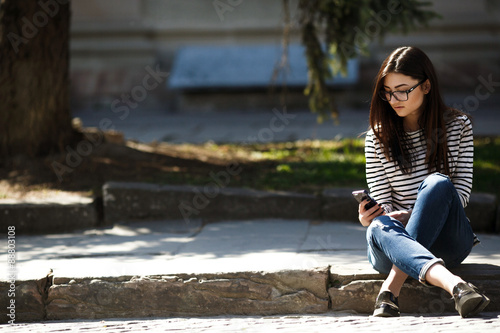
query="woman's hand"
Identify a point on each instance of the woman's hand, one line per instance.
(366, 216)
(401, 215)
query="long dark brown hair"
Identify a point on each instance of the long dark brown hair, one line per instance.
(388, 126)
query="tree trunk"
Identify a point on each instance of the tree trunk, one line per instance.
(34, 77)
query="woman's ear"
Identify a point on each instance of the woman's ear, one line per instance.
(426, 86)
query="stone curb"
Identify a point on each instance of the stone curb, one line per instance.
(38, 217)
(140, 201)
(127, 202)
(131, 202)
(245, 293)
(358, 292)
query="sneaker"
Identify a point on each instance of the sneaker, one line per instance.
(468, 300)
(386, 305)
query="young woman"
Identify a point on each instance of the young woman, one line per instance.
(419, 155)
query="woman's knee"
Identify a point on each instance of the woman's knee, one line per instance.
(437, 182)
(380, 224)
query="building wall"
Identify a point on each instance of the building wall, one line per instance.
(114, 42)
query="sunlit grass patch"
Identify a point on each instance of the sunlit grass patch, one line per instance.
(313, 165)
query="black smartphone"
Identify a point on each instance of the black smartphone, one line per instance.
(363, 195)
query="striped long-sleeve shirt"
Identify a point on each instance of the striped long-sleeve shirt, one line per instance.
(398, 191)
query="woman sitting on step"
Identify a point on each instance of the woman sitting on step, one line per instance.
(419, 156)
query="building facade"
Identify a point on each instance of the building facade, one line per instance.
(118, 45)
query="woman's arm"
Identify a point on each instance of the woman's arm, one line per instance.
(376, 177)
(461, 146)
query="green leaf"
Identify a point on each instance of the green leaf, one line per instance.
(344, 27)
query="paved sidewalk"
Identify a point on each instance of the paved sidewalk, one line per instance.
(331, 322)
(172, 247)
(276, 124)
(253, 267)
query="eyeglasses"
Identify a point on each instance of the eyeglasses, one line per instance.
(398, 95)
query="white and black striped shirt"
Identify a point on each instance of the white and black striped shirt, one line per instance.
(397, 191)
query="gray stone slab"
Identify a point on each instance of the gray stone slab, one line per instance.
(42, 216)
(28, 303)
(235, 238)
(340, 245)
(482, 212)
(487, 252)
(256, 293)
(334, 236)
(143, 248)
(139, 201)
(339, 205)
(262, 245)
(161, 227)
(360, 295)
(151, 248)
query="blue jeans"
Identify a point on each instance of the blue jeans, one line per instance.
(438, 231)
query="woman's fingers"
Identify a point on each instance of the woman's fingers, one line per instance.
(366, 216)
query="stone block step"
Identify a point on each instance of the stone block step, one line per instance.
(127, 202)
(65, 214)
(214, 202)
(358, 292)
(139, 201)
(242, 293)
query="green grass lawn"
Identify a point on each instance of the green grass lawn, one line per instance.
(311, 166)
(300, 166)
(487, 165)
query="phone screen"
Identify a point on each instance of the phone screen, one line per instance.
(362, 195)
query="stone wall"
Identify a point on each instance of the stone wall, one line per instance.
(114, 41)
(318, 290)
(130, 202)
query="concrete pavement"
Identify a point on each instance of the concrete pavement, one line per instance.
(268, 267)
(171, 247)
(276, 124)
(331, 322)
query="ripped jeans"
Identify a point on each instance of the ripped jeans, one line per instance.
(437, 232)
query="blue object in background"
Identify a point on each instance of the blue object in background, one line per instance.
(244, 66)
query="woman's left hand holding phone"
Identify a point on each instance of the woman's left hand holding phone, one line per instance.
(366, 216)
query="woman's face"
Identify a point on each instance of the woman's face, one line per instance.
(413, 107)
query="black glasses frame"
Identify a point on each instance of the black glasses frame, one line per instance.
(383, 93)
